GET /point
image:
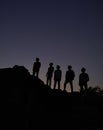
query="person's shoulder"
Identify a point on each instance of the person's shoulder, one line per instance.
(86, 74)
(72, 71)
(80, 74)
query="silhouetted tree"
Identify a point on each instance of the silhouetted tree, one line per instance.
(36, 67)
(57, 76)
(49, 74)
(83, 79)
(69, 77)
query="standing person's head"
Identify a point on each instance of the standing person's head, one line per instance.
(83, 70)
(69, 67)
(37, 59)
(51, 64)
(58, 67)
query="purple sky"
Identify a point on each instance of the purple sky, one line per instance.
(60, 31)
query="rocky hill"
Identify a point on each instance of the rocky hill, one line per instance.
(27, 103)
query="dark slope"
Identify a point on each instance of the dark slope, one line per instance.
(29, 104)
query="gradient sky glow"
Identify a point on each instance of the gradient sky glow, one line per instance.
(60, 31)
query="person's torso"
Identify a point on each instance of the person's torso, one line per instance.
(70, 75)
(57, 75)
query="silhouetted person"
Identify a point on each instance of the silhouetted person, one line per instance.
(36, 67)
(83, 79)
(57, 76)
(69, 77)
(50, 74)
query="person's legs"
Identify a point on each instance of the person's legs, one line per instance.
(81, 88)
(55, 84)
(85, 86)
(71, 85)
(37, 73)
(33, 73)
(47, 81)
(65, 85)
(50, 82)
(58, 84)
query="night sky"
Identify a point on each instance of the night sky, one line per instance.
(65, 32)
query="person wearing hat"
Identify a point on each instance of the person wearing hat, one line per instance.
(83, 79)
(69, 77)
(36, 67)
(49, 74)
(57, 76)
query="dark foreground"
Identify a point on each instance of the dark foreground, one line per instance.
(26, 103)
